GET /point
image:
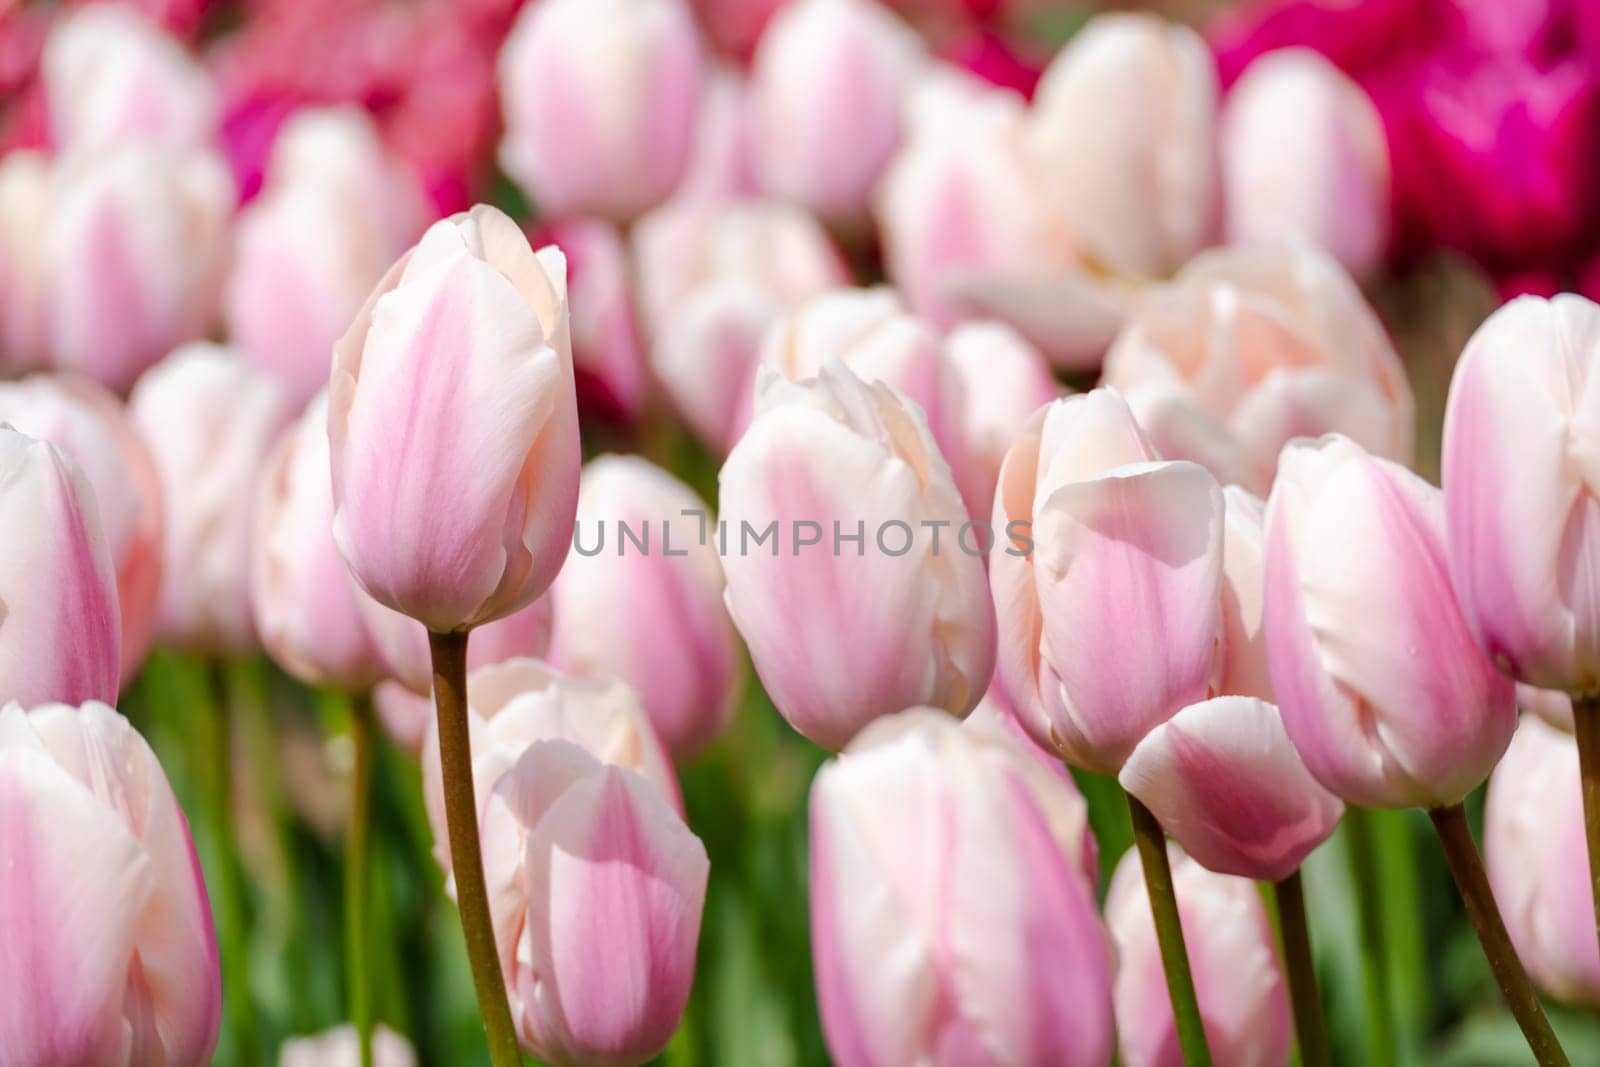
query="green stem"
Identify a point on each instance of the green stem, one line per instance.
(357, 877)
(1152, 843)
(229, 882)
(1310, 1031)
(466, 855)
(1374, 962)
(1586, 724)
(1462, 854)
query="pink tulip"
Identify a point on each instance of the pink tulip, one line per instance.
(1304, 157)
(209, 419)
(1551, 705)
(596, 888)
(402, 642)
(1237, 978)
(1107, 580)
(1224, 780)
(60, 634)
(600, 99)
(453, 426)
(1533, 845)
(1250, 347)
(722, 163)
(910, 621)
(335, 212)
(951, 921)
(607, 351)
(91, 426)
(829, 79)
(133, 257)
(1520, 436)
(652, 616)
(403, 715)
(1383, 690)
(25, 194)
(1245, 671)
(340, 1047)
(736, 26)
(107, 951)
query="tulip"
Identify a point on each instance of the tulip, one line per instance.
(339, 1047)
(845, 482)
(600, 99)
(607, 351)
(334, 214)
(823, 140)
(24, 208)
(402, 642)
(1532, 834)
(652, 617)
(1245, 671)
(722, 164)
(60, 633)
(1123, 126)
(1248, 348)
(403, 715)
(1237, 976)
(1551, 705)
(597, 887)
(453, 426)
(209, 419)
(1304, 157)
(736, 26)
(133, 257)
(980, 944)
(306, 606)
(1108, 587)
(108, 953)
(1383, 690)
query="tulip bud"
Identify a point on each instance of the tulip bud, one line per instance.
(60, 633)
(1384, 692)
(209, 419)
(843, 478)
(453, 426)
(650, 613)
(1533, 847)
(25, 197)
(1123, 129)
(600, 98)
(978, 944)
(1107, 589)
(135, 250)
(341, 1047)
(607, 352)
(1304, 157)
(402, 642)
(109, 954)
(722, 165)
(91, 426)
(823, 140)
(596, 888)
(1237, 978)
(1520, 445)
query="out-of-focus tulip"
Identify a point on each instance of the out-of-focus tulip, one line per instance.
(513, 704)
(1303, 157)
(950, 918)
(607, 351)
(844, 480)
(134, 257)
(454, 429)
(651, 616)
(90, 425)
(341, 1047)
(596, 887)
(402, 642)
(1533, 847)
(997, 58)
(336, 211)
(1551, 705)
(722, 163)
(1123, 126)
(1386, 695)
(209, 419)
(1250, 347)
(829, 79)
(109, 954)
(403, 715)
(1237, 977)
(736, 26)
(60, 629)
(113, 77)
(1244, 645)
(306, 606)
(600, 99)
(1224, 780)
(1107, 577)
(1522, 489)
(25, 197)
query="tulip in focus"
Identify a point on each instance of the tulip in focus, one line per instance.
(453, 426)
(596, 886)
(951, 919)
(108, 953)
(607, 351)
(1237, 977)
(827, 460)
(340, 1047)
(25, 195)
(1383, 689)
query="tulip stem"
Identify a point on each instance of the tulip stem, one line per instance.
(1310, 1032)
(358, 938)
(1152, 844)
(232, 926)
(461, 823)
(1462, 854)
(1374, 959)
(1586, 724)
